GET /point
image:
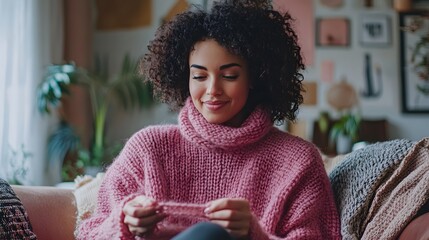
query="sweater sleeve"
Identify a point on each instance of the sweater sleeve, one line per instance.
(119, 186)
(309, 211)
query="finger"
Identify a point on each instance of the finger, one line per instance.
(144, 201)
(228, 203)
(140, 231)
(140, 211)
(231, 215)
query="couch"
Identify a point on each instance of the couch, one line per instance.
(54, 212)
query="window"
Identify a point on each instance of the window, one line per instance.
(27, 48)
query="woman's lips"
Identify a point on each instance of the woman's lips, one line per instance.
(214, 105)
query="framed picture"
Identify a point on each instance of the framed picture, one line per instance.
(414, 56)
(375, 30)
(128, 14)
(333, 32)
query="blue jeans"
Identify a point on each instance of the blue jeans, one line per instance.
(204, 231)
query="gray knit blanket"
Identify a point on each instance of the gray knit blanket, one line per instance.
(356, 179)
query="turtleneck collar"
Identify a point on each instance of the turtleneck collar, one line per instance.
(194, 127)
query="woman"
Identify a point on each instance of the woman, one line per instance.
(224, 172)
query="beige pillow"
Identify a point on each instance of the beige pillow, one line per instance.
(86, 194)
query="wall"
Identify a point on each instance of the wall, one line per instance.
(114, 45)
(349, 62)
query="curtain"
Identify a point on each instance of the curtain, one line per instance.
(31, 38)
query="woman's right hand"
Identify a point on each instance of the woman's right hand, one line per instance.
(141, 215)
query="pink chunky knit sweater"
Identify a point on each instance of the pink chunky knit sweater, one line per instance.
(187, 165)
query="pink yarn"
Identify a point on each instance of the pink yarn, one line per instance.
(183, 209)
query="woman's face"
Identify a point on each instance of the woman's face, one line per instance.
(218, 83)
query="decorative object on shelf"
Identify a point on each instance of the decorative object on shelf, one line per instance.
(414, 46)
(345, 132)
(343, 98)
(374, 84)
(333, 32)
(323, 121)
(128, 89)
(375, 30)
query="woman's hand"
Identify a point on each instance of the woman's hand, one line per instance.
(232, 214)
(141, 215)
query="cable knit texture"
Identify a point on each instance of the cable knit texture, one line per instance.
(185, 166)
(358, 177)
(400, 196)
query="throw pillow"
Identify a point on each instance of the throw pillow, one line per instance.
(86, 194)
(14, 222)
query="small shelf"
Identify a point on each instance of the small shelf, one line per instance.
(370, 131)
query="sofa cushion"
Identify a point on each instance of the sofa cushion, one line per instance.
(51, 210)
(417, 229)
(14, 222)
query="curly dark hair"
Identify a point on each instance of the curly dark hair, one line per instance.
(263, 37)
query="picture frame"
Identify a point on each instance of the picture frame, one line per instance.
(375, 30)
(333, 32)
(414, 79)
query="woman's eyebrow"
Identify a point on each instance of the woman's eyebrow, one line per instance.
(198, 66)
(229, 65)
(221, 67)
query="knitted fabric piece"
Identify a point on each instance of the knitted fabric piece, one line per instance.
(281, 176)
(356, 179)
(183, 209)
(400, 197)
(14, 222)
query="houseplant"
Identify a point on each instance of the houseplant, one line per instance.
(128, 89)
(18, 166)
(345, 131)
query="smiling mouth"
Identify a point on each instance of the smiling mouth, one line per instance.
(214, 105)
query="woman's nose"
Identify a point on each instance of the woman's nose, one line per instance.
(214, 87)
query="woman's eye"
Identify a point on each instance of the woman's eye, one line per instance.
(198, 77)
(230, 76)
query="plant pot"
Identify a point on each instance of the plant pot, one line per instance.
(343, 144)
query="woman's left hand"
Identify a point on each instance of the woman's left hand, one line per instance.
(231, 213)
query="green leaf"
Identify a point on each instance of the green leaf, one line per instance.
(61, 142)
(54, 86)
(348, 125)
